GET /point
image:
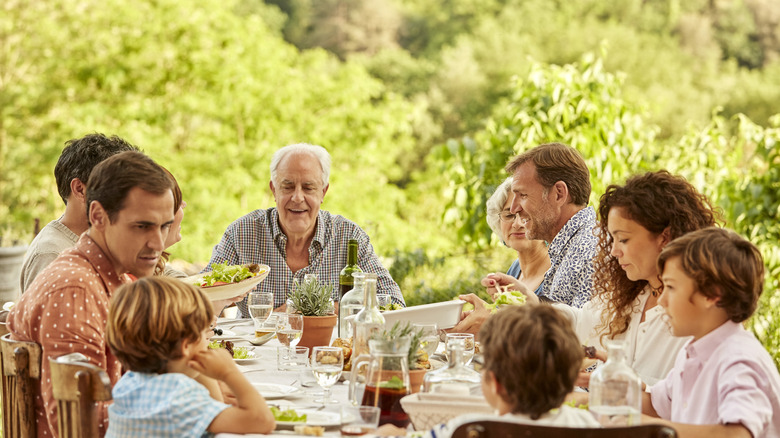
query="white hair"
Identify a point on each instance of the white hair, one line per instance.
(496, 203)
(317, 152)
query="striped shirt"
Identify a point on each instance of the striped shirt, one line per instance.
(161, 405)
(258, 238)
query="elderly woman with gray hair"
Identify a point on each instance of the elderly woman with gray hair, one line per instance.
(529, 268)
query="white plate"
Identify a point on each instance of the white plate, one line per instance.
(445, 314)
(313, 418)
(232, 290)
(227, 335)
(272, 391)
(252, 357)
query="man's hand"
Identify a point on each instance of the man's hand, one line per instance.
(472, 321)
(496, 281)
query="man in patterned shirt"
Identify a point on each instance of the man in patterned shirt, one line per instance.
(297, 238)
(551, 186)
(65, 309)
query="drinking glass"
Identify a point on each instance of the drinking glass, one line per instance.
(289, 328)
(261, 304)
(383, 300)
(430, 337)
(468, 341)
(359, 420)
(326, 365)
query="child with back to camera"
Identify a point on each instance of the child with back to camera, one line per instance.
(531, 359)
(723, 383)
(158, 328)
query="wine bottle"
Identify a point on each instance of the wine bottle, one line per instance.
(346, 281)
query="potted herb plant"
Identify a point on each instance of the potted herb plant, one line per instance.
(312, 299)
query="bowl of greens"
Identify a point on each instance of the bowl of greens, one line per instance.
(229, 281)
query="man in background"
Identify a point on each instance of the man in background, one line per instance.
(72, 174)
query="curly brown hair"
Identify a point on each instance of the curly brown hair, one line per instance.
(657, 201)
(534, 354)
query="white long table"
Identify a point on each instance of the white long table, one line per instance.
(264, 370)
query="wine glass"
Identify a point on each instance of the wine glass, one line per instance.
(261, 304)
(289, 328)
(468, 341)
(326, 365)
(429, 340)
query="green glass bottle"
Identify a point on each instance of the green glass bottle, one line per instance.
(346, 281)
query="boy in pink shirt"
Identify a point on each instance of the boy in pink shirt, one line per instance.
(724, 383)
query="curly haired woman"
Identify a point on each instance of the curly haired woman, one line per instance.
(637, 220)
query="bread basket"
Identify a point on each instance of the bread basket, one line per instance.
(427, 410)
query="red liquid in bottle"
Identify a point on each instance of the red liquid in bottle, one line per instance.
(389, 402)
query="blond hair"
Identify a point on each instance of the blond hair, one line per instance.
(149, 318)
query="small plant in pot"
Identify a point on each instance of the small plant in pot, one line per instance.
(312, 299)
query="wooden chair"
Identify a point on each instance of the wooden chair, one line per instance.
(21, 364)
(78, 386)
(501, 429)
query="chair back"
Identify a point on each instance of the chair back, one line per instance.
(503, 429)
(78, 386)
(21, 365)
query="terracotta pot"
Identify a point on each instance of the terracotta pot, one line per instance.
(317, 330)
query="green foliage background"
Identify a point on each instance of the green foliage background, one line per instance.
(420, 102)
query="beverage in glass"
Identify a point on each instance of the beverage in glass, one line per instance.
(468, 342)
(260, 305)
(430, 337)
(289, 328)
(326, 365)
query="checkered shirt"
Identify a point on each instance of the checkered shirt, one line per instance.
(569, 279)
(160, 405)
(258, 238)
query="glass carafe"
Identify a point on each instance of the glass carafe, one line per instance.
(387, 379)
(351, 303)
(615, 397)
(369, 320)
(456, 378)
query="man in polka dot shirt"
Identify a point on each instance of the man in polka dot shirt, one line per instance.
(130, 211)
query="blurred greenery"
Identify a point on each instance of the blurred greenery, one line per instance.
(420, 102)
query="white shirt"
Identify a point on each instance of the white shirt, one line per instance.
(565, 416)
(650, 347)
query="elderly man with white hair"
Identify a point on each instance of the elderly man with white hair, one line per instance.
(296, 237)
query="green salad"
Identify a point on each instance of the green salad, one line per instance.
(237, 352)
(287, 415)
(223, 273)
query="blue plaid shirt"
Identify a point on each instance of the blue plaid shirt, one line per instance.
(569, 279)
(258, 238)
(160, 405)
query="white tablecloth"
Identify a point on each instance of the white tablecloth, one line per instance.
(264, 370)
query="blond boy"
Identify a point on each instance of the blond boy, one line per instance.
(158, 328)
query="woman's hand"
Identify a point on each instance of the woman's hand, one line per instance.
(472, 321)
(496, 281)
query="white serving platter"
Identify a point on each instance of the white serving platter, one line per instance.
(445, 314)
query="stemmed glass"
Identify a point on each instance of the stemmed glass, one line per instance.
(326, 365)
(468, 341)
(289, 328)
(430, 337)
(260, 304)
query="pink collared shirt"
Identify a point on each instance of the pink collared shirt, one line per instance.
(725, 377)
(65, 311)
